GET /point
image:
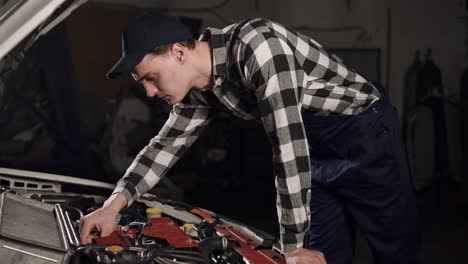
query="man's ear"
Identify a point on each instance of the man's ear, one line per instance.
(179, 52)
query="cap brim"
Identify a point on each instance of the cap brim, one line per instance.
(125, 64)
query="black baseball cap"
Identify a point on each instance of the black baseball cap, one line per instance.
(143, 35)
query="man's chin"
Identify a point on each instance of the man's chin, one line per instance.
(171, 101)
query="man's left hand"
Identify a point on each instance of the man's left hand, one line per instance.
(305, 256)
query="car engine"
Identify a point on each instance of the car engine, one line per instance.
(40, 227)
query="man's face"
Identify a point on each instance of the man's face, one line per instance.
(164, 76)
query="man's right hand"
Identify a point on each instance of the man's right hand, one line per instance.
(102, 220)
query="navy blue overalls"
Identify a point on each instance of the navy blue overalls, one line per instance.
(360, 179)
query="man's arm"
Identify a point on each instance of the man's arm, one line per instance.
(272, 71)
(183, 127)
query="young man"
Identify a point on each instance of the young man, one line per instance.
(334, 136)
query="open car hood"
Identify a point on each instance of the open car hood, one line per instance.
(20, 18)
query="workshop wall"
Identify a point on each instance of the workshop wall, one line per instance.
(415, 24)
(396, 29)
(435, 24)
(94, 40)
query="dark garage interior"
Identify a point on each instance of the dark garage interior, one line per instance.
(60, 114)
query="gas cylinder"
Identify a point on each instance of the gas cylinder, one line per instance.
(411, 85)
(431, 78)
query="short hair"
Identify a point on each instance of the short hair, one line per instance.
(190, 44)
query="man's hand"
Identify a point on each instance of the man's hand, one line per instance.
(305, 256)
(102, 220)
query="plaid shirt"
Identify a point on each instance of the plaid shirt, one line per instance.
(277, 74)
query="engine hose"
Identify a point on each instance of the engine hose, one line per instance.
(182, 257)
(82, 256)
(214, 244)
(179, 255)
(184, 252)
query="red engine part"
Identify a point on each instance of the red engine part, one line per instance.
(247, 247)
(116, 238)
(164, 228)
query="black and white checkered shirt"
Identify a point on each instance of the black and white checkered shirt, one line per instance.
(275, 74)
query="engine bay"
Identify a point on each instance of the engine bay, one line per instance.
(44, 228)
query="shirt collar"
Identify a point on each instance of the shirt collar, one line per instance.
(218, 47)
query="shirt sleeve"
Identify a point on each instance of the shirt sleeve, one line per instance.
(184, 125)
(271, 69)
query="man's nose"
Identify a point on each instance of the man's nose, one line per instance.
(150, 89)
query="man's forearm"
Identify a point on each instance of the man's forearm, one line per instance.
(116, 202)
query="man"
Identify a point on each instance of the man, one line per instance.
(322, 118)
